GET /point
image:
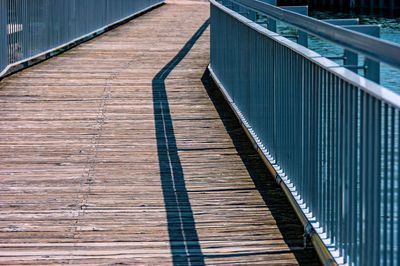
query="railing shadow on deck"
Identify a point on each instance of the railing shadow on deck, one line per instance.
(286, 219)
(183, 237)
(184, 241)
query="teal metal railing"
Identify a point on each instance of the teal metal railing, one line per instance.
(32, 28)
(332, 137)
(3, 35)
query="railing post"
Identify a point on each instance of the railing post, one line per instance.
(372, 67)
(271, 22)
(3, 35)
(302, 37)
(350, 58)
(252, 15)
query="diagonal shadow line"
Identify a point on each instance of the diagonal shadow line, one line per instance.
(184, 241)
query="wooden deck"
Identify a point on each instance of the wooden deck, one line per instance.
(122, 151)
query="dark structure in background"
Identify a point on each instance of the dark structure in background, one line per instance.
(384, 7)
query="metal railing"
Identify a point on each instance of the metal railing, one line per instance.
(37, 27)
(3, 35)
(331, 136)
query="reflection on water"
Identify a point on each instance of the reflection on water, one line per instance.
(390, 31)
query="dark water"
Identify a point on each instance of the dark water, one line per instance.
(390, 31)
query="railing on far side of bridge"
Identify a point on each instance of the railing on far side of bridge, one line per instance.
(332, 137)
(3, 35)
(33, 28)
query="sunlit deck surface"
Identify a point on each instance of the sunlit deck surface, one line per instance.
(122, 151)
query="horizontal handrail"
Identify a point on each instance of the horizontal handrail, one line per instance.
(371, 47)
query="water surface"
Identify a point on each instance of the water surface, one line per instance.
(390, 31)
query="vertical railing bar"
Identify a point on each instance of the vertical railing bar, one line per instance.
(315, 81)
(23, 19)
(312, 106)
(369, 156)
(307, 152)
(331, 120)
(376, 226)
(341, 165)
(396, 171)
(333, 148)
(14, 35)
(321, 147)
(345, 176)
(356, 171)
(18, 35)
(352, 171)
(363, 163)
(385, 182)
(325, 152)
(308, 148)
(336, 184)
(392, 133)
(295, 87)
(317, 129)
(370, 178)
(11, 29)
(19, 25)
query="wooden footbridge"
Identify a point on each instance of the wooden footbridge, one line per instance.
(122, 151)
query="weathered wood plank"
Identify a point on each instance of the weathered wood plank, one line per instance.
(83, 178)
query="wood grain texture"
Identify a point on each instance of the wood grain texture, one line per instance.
(80, 173)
